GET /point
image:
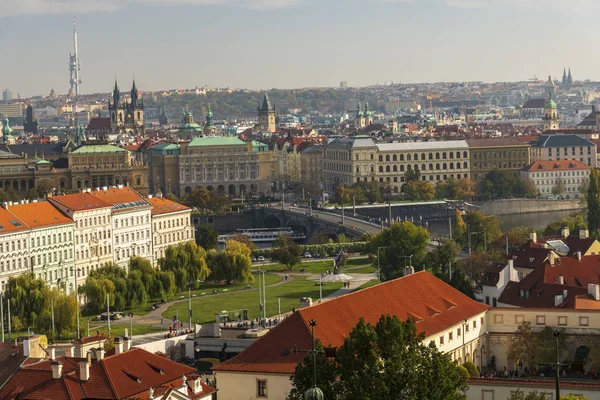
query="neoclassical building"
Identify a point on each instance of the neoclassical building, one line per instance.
(222, 163)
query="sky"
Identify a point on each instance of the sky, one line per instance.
(261, 44)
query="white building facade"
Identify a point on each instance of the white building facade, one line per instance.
(14, 251)
(562, 178)
(171, 224)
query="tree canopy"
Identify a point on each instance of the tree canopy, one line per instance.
(206, 237)
(232, 264)
(286, 251)
(504, 184)
(383, 361)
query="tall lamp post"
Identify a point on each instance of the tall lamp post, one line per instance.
(314, 393)
(76, 289)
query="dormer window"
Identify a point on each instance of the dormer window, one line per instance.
(531, 259)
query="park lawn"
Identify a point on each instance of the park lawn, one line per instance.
(207, 288)
(363, 270)
(312, 267)
(370, 283)
(204, 309)
(119, 330)
(354, 262)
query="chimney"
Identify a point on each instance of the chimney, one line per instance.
(197, 387)
(118, 345)
(552, 258)
(594, 291)
(579, 255)
(558, 299)
(5, 205)
(584, 234)
(120, 186)
(409, 270)
(70, 351)
(149, 196)
(52, 353)
(533, 237)
(84, 370)
(100, 354)
(565, 293)
(565, 232)
(105, 188)
(57, 367)
(561, 280)
(126, 343)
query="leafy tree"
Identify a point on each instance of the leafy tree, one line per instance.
(546, 345)
(419, 190)
(474, 267)
(188, 263)
(412, 175)
(517, 236)
(206, 237)
(524, 345)
(487, 228)
(438, 260)
(456, 189)
(390, 361)
(172, 197)
(44, 187)
(400, 241)
(286, 251)
(472, 368)
(503, 184)
(239, 237)
(232, 264)
(519, 395)
(574, 222)
(302, 379)
(559, 187)
(593, 202)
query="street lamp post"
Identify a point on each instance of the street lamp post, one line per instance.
(190, 304)
(484, 239)
(379, 263)
(76, 289)
(130, 326)
(471, 234)
(556, 335)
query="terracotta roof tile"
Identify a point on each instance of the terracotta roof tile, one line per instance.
(437, 305)
(79, 202)
(10, 223)
(115, 195)
(558, 165)
(39, 214)
(162, 205)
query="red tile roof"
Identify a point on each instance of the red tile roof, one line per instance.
(115, 195)
(558, 165)
(126, 375)
(434, 304)
(99, 124)
(509, 141)
(161, 205)
(10, 223)
(549, 383)
(39, 214)
(79, 202)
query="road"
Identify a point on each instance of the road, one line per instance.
(349, 222)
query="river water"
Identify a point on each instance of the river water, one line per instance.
(530, 220)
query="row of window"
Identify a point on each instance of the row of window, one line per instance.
(559, 173)
(56, 238)
(167, 238)
(85, 238)
(55, 256)
(95, 252)
(125, 254)
(561, 320)
(500, 154)
(131, 221)
(566, 151)
(466, 327)
(429, 156)
(394, 168)
(17, 264)
(13, 245)
(139, 235)
(91, 222)
(513, 164)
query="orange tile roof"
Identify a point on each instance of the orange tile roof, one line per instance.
(10, 223)
(558, 165)
(162, 205)
(114, 195)
(79, 201)
(40, 214)
(434, 304)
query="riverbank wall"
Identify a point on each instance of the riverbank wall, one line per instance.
(520, 206)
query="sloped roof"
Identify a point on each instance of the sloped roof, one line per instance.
(79, 201)
(99, 124)
(125, 197)
(490, 142)
(535, 103)
(41, 214)
(434, 304)
(161, 205)
(9, 223)
(558, 165)
(561, 141)
(98, 149)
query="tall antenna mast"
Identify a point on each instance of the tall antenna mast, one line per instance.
(74, 65)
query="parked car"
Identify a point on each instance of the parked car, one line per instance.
(253, 259)
(261, 258)
(316, 255)
(307, 255)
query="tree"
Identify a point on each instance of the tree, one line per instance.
(574, 223)
(472, 369)
(456, 189)
(593, 202)
(240, 237)
(206, 237)
(523, 346)
(545, 346)
(519, 395)
(438, 260)
(44, 187)
(400, 242)
(187, 261)
(517, 236)
(302, 379)
(482, 228)
(232, 264)
(286, 251)
(412, 175)
(503, 184)
(559, 187)
(198, 198)
(419, 190)
(390, 361)
(475, 266)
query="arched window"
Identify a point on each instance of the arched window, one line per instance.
(380, 168)
(387, 157)
(395, 168)
(422, 167)
(401, 168)
(464, 154)
(416, 157)
(451, 155)
(394, 158)
(458, 154)
(408, 167)
(408, 157)
(437, 166)
(422, 156)
(431, 156)
(401, 157)
(444, 166)
(444, 155)
(465, 165)
(380, 157)
(416, 167)
(437, 156)
(387, 168)
(431, 167)
(451, 164)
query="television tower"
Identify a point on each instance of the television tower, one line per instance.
(74, 65)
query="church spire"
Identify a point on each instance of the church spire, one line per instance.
(564, 77)
(134, 94)
(116, 95)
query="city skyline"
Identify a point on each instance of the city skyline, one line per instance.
(260, 44)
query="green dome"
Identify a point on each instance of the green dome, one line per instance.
(550, 104)
(314, 393)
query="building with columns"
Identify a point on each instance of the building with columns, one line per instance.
(93, 230)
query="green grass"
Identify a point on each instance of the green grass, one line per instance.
(364, 270)
(204, 288)
(204, 309)
(312, 267)
(354, 262)
(119, 330)
(370, 283)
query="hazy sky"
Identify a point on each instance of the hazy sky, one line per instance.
(260, 44)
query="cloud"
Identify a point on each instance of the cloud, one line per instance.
(23, 7)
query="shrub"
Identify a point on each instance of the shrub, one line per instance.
(463, 372)
(472, 369)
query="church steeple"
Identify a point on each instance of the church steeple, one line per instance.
(116, 95)
(134, 94)
(564, 77)
(570, 78)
